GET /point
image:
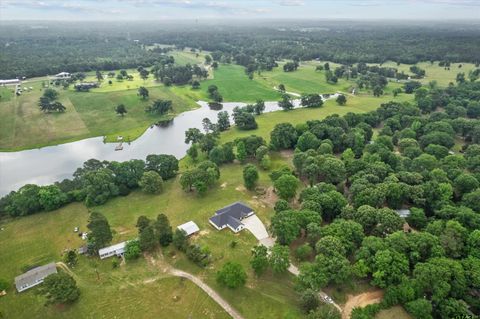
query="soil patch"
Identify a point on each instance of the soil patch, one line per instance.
(270, 197)
(240, 188)
(361, 300)
(287, 154)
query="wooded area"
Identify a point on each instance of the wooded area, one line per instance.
(73, 47)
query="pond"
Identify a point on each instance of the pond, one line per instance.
(49, 164)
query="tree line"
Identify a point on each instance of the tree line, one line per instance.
(36, 51)
(94, 184)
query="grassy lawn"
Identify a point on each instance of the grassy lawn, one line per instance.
(6, 93)
(435, 72)
(23, 125)
(134, 290)
(396, 312)
(88, 114)
(233, 84)
(304, 80)
(266, 122)
(186, 56)
(41, 238)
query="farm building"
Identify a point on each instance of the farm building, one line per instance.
(34, 277)
(189, 228)
(231, 216)
(10, 82)
(114, 250)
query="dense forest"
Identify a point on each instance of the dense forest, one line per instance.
(49, 48)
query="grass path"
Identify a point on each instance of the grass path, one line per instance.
(167, 268)
(209, 291)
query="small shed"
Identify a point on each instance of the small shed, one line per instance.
(34, 277)
(189, 228)
(114, 250)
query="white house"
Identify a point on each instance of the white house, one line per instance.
(34, 277)
(189, 228)
(114, 250)
(230, 216)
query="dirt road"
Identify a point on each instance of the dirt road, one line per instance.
(212, 293)
(168, 269)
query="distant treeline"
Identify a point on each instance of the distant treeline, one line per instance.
(342, 44)
(40, 52)
(28, 51)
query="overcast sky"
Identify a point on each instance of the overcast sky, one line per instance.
(241, 9)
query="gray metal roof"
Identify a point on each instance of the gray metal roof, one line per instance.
(34, 275)
(231, 215)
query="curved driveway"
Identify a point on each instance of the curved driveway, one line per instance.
(258, 229)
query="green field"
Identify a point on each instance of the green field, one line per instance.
(88, 114)
(357, 104)
(23, 126)
(233, 84)
(435, 72)
(304, 80)
(185, 56)
(41, 238)
(396, 312)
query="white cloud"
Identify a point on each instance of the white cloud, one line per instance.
(291, 3)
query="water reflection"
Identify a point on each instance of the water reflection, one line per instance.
(54, 163)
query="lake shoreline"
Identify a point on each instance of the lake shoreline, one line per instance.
(46, 165)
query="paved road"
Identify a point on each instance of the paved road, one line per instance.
(197, 281)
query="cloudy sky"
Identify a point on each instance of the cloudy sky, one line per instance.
(241, 9)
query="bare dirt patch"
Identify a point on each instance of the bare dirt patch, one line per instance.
(204, 232)
(270, 197)
(287, 154)
(361, 300)
(122, 230)
(224, 185)
(240, 188)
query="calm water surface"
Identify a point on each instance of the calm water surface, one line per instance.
(53, 163)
